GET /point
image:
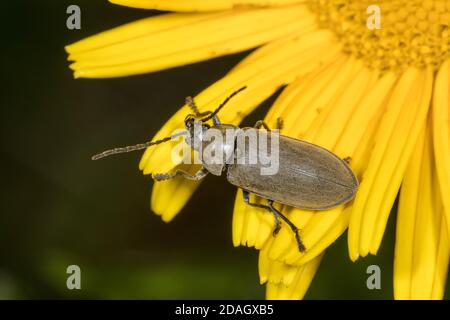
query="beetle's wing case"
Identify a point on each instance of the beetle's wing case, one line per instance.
(308, 177)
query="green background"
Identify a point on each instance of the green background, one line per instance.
(59, 208)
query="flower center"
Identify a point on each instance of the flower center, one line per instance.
(409, 33)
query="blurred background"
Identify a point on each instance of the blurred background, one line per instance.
(59, 208)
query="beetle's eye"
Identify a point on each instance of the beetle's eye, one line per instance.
(189, 120)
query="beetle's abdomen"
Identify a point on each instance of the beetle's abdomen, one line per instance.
(308, 177)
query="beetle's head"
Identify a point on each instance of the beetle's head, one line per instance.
(195, 128)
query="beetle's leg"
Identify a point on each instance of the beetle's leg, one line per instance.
(246, 196)
(277, 214)
(347, 159)
(280, 123)
(301, 246)
(200, 174)
(191, 103)
(261, 123)
(215, 119)
(277, 227)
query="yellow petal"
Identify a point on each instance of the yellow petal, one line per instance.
(421, 246)
(396, 136)
(441, 134)
(200, 5)
(299, 102)
(360, 127)
(275, 272)
(137, 29)
(442, 262)
(172, 40)
(239, 216)
(299, 285)
(250, 227)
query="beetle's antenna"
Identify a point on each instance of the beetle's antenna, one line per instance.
(222, 104)
(136, 147)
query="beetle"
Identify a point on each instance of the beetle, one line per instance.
(309, 176)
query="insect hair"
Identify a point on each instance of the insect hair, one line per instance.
(135, 147)
(215, 112)
(145, 145)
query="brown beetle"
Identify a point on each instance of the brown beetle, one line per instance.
(308, 176)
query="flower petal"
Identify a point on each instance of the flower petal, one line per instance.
(441, 134)
(442, 262)
(275, 272)
(172, 40)
(200, 5)
(250, 227)
(299, 285)
(396, 136)
(421, 246)
(137, 29)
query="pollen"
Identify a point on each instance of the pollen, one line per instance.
(409, 32)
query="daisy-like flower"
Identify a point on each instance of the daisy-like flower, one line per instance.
(381, 97)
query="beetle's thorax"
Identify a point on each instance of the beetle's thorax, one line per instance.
(218, 147)
(215, 144)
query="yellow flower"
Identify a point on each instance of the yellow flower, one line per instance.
(379, 96)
